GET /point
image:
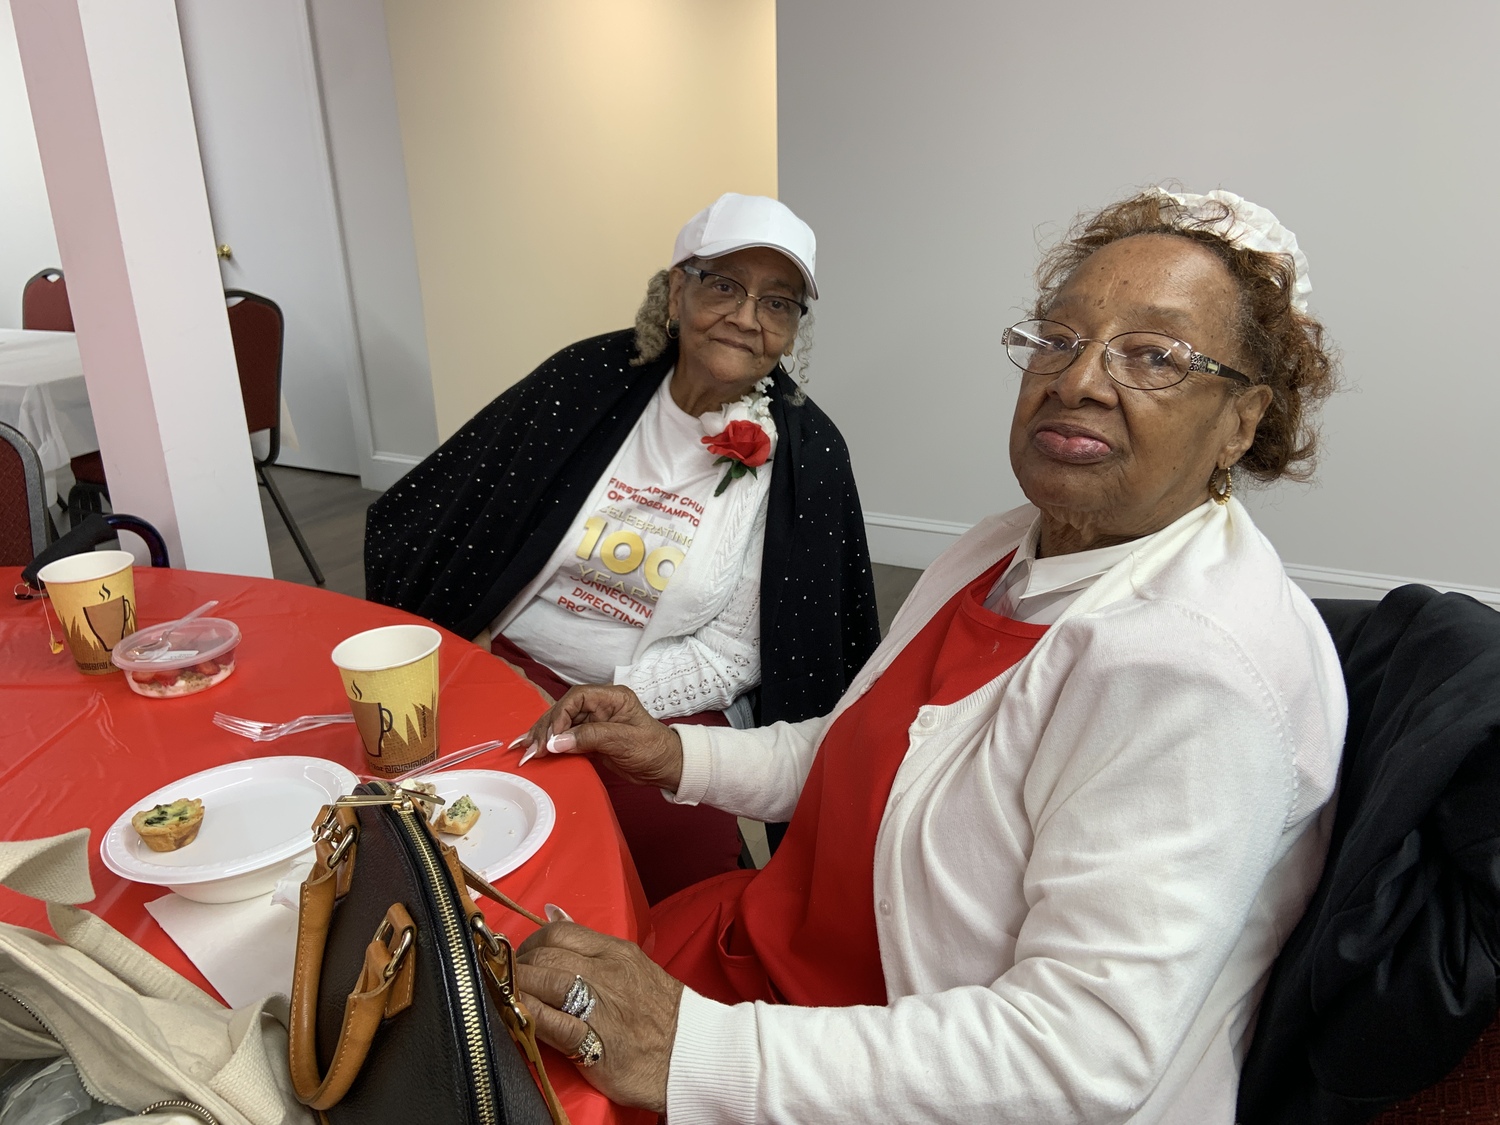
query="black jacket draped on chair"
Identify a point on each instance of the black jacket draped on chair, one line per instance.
(1392, 972)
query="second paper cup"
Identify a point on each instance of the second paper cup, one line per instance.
(391, 678)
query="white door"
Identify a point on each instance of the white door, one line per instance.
(255, 97)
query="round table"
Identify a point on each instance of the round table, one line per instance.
(89, 746)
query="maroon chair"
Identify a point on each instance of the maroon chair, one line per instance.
(45, 308)
(24, 524)
(44, 303)
(257, 329)
(1470, 1093)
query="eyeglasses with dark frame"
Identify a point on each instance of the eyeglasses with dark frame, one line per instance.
(725, 295)
(1142, 361)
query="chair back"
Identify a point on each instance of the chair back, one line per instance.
(23, 500)
(1470, 1093)
(96, 529)
(44, 303)
(257, 328)
(156, 546)
(1392, 973)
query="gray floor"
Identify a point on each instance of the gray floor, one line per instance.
(330, 510)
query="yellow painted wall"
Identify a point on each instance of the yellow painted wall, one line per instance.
(553, 148)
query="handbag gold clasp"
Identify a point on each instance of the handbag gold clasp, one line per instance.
(362, 800)
(325, 827)
(420, 796)
(499, 949)
(403, 947)
(342, 843)
(493, 942)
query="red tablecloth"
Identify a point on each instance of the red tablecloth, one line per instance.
(76, 751)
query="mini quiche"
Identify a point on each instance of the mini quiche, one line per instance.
(165, 828)
(458, 817)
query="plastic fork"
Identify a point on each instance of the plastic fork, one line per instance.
(257, 731)
(447, 761)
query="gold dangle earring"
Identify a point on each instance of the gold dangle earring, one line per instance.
(1221, 495)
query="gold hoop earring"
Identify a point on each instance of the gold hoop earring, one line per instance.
(673, 331)
(1221, 495)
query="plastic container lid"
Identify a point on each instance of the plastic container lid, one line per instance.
(171, 645)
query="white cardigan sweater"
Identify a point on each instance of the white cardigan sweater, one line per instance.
(1084, 869)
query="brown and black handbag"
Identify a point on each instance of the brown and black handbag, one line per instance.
(403, 1003)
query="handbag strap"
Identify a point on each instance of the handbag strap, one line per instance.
(477, 882)
(498, 958)
(382, 990)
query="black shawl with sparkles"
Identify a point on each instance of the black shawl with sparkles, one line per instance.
(458, 537)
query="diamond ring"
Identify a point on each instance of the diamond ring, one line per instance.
(579, 1001)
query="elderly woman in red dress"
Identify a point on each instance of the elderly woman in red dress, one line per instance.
(1043, 852)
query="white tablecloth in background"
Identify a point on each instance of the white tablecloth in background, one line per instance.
(42, 394)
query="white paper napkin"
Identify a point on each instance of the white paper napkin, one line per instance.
(245, 949)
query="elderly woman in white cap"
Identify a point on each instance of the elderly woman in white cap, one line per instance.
(1043, 852)
(662, 508)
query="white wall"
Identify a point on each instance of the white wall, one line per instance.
(553, 150)
(27, 243)
(369, 179)
(931, 146)
(260, 127)
(341, 179)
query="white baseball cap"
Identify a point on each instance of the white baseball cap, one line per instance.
(738, 222)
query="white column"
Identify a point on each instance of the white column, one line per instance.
(114, 125)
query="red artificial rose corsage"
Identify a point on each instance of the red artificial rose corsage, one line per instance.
(743, 446)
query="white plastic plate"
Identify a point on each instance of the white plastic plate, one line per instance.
(257, 819)
(515, 818)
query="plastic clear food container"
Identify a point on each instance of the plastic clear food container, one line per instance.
(178, 658)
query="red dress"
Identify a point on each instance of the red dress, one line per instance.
(802, 931)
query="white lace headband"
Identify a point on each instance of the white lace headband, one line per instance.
(1250, 226)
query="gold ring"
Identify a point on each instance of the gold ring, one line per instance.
(589, 1051)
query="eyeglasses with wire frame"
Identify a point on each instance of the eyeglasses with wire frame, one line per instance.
(725, 295)
(1143, 361)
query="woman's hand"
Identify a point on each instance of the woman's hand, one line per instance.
(635, 1014)
(608, 720)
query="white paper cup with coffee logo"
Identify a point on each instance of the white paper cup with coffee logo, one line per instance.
(390, 675)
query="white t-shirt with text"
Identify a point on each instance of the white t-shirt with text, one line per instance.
(626, 543)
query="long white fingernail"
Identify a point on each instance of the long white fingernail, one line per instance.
(562, 743)
(517, 741)
(556, 913)
(530, 753)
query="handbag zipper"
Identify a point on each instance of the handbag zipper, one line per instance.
(456, 938)
(180, 1104)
